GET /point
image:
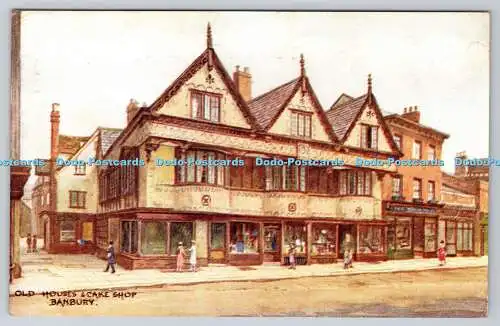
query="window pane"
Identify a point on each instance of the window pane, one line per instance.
(180, 232)
(374, 133)
(403, 234)
(295, 234)
(293, 124)
(201, 171)
(368, 183)
(302, 170)
(211, 169)
(361, 183)
(215, 108)
(244, 238)
(364, 136)
(67, 231)
(343, 183)
(190, 167)
(206, 107)
(307, 126)
(195, 105)
(153, 238)
(218, 236)
(324, 240)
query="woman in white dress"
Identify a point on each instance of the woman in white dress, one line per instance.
(192, 258)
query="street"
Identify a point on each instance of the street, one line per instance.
(436, 293)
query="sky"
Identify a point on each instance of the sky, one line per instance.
(93, 63)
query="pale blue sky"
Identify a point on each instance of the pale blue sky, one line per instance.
(92, 63)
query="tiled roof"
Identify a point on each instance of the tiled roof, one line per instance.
(342, 116)
(266, 106)
(108, 137)
(71, 144)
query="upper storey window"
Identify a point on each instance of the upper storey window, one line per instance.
(300, 124)
(205, 106)
(369, 137)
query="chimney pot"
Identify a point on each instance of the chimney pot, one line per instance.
(246, 69)
(237, 68)
(55, 106)
(405, 110)
(416, 108)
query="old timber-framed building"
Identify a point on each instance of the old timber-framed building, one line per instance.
(244, 214)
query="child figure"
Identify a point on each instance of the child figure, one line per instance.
(346, 258)
(291, 256)
(441, 253)
(192, 258)
(180, 257)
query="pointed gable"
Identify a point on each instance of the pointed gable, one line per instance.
(205, 74)
(347, 116)
(273, 109)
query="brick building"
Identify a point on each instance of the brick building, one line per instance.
(412, 195)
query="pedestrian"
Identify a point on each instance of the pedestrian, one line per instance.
(192, 257)
(346, 258)
(291, 256)
(180, 257)
(28, 243)
(111, 258)
(33, 244)
(441, 253)
(351, 257)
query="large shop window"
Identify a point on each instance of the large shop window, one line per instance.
(205, 106)
(430, 235)
(371, 239)
(244, 238)
(201, 174)
(400, 234)
(129, 236)
(288, 178)
(323, 180)
(324, 239)
(180, 232)
(369, 137)
(295, 234)
(464, 236)
(153, 238)
(218, 236)
(67, 231)
(300, 124)
(356, 183)
(248, 176)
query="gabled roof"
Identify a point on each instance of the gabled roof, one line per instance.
(71, 144)
(209, 56)
(108, 137)
(343, 116)
(267, 107)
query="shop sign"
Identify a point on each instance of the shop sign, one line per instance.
(410, 209)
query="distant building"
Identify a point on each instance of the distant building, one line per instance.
(480, 172)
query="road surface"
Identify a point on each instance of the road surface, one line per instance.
(436, 293)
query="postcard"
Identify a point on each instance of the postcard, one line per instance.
(169, 163)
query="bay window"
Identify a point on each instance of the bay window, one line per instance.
(355, 183)
(322, 180)
(189, 172)
(291, 178)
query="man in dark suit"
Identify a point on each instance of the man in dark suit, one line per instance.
(111, 258)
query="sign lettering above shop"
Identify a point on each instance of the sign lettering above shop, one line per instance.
(410, 209)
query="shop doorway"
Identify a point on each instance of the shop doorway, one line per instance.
(347, 239)
(218, 244)
(272, 242)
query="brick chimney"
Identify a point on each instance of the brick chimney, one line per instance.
(411, 113)
(54, 131)
(132, 109)
(243, 82)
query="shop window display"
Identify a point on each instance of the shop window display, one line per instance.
(324, 240)
(180, 232)
(153, 238)
(244, 238)
(370, 239)
(295, 234)
(430, 235)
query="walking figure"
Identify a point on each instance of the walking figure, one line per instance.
(28, 243)
(33, 244)
(180, 257)
(348, 258)
(291, 256)
(192, 258)
(111, 258)
(442, 253)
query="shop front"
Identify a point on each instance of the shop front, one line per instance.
(457, 229)
(413, 229)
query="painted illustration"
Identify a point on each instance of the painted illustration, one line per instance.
(249, 164)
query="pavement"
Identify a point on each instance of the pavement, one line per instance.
(45, 272)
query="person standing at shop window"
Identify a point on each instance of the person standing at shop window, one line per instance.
(192, 257)
(28, 243)
(291, 256)
(180, 257)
